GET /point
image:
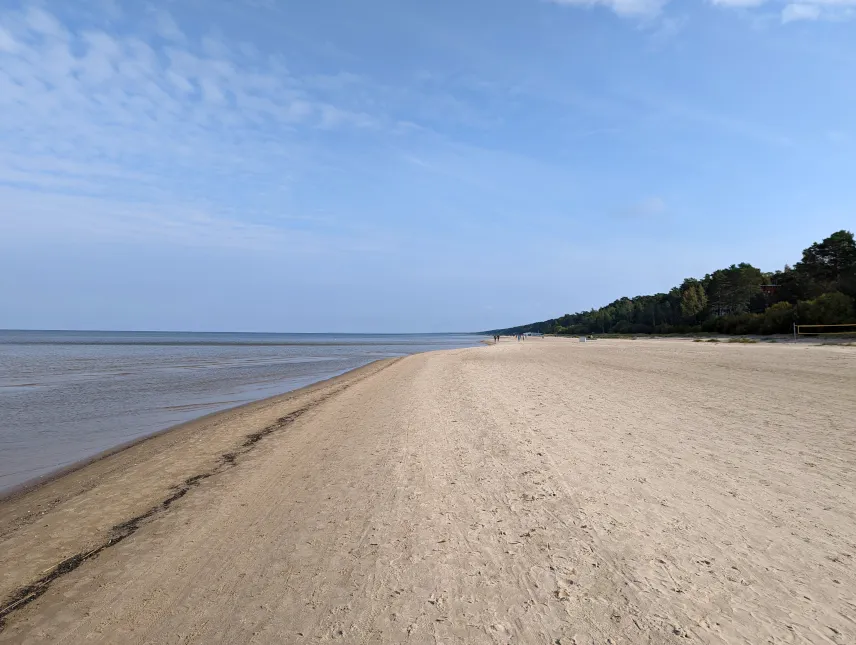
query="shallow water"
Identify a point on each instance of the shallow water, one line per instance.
(66, 396)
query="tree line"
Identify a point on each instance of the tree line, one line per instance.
(740, 299)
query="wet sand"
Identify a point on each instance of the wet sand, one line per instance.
(537, 492)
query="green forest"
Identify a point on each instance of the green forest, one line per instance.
(740, 299)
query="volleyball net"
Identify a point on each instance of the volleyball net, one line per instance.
(844, 329)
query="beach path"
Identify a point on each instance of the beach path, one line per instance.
(544, 491)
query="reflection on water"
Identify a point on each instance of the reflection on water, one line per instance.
(65, 396)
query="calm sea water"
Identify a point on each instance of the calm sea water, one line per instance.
(65, 396)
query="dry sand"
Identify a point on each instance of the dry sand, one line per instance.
(548, 491)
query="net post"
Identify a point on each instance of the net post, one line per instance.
(795, 332)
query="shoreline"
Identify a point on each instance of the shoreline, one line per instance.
(19, 490)
(140, 480)
(68, 405)
(25, 487)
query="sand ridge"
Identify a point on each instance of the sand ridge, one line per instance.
(546, 491)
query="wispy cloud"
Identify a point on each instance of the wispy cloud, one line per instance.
(624, 8)
(644, 209)
(665, 106)
(738, 3)
(648, 10)
(7, 43)
(34, 216)
(167, 28)
(82, 105)
(794, 12)
(834, 10)
(651, 206)
(667, 29)
(830, 10)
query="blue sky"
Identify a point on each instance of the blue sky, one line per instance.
(392, 165)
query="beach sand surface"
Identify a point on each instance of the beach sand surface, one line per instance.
(545, 491)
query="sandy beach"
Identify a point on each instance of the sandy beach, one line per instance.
(546, 491)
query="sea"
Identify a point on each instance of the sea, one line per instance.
(66, 396)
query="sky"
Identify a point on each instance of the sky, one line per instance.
(404, 166)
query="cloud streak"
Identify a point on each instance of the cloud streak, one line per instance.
(647, 10)
(623, 8)
(795, 12)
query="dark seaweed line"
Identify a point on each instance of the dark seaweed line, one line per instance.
(25, 595)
